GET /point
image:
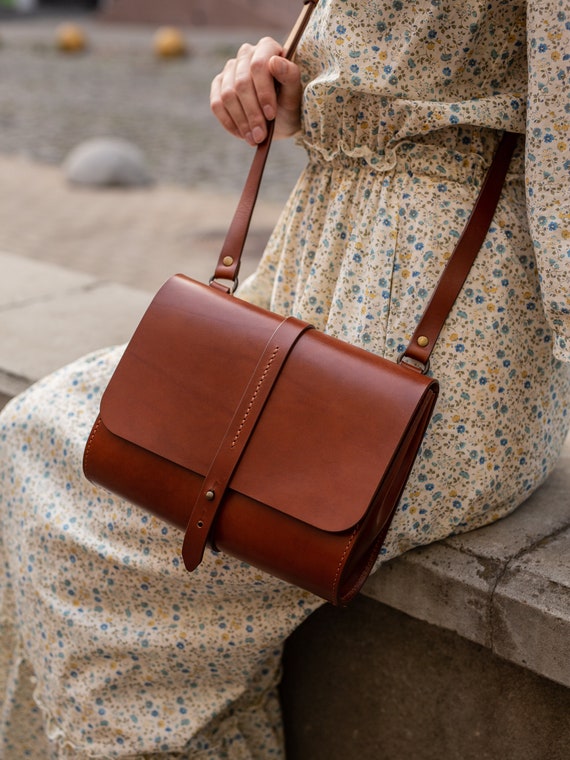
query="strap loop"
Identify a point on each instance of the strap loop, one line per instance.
(461, 260)
(235, 239)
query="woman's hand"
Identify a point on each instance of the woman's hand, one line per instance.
(243, 95)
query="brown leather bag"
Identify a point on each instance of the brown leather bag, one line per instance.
(263, 437)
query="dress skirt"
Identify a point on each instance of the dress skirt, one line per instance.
(128, 655)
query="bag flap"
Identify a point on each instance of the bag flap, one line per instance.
(326, 436)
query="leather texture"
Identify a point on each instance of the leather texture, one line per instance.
(237, 437)
(261, 436)
(305, 441)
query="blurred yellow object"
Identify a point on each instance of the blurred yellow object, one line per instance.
(71, 38)
(169, 43)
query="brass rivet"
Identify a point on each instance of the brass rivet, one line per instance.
(228, 261)
(200, 524)
(423, 341)
(210, 495)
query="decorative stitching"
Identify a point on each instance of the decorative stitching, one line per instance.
(90, 439)
(346, 548)
(365, 572)
(255, 393)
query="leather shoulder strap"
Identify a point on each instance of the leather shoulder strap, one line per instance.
(229, 260)
(419, 350)
(461, 260)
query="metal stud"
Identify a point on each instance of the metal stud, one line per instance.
(228, 261)
(210, 495)
(423, 341)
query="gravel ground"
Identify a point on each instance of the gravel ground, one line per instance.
(50, 102)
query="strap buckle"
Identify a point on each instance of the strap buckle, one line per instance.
(415, 364)
(213, 282)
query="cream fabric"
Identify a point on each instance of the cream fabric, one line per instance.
(132, 656)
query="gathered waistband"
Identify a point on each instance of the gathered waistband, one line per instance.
(461, 153)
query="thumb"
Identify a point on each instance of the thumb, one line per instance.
(289, 77)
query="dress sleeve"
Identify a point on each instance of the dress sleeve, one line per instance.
(548, 158)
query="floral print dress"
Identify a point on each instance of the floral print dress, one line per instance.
(403, 108)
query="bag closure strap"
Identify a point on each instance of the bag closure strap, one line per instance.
(236, 437)
(272, 359)
(452, 279)
(228, 265)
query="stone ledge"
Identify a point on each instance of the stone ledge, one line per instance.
(51, 316)
(506, 586)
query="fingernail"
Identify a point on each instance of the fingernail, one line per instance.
(258, 134)
(249, 138)
(269, 113)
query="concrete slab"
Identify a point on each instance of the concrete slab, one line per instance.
(531, 610)
(41, 336)
(442, 586)
(506, 586)
(368, 682)
(23, 280)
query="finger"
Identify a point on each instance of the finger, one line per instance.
(262, 76)
(246, 90)
(218, 108)
(288, 75)
(226, 104)
(243, 96)
(255, 86)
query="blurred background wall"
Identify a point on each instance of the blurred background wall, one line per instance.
(211, 12)
(268, 13)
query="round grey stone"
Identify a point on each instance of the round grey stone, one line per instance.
(107, 162)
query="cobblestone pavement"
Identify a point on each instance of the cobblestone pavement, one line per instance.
(50, 102)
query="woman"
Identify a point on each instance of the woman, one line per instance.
(400, 108)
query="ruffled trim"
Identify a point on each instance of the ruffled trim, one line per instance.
(459, 154)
